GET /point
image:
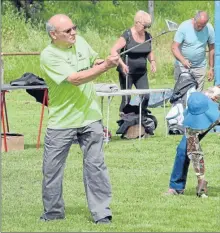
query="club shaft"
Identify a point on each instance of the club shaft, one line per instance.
(146, 41)
(126, 84)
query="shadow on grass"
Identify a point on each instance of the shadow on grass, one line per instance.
(33, 146)
(118, 138)
(212, 191)
(79, 210)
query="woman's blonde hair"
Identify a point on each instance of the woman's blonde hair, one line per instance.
(142, 16)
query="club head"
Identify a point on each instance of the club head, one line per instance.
(172, 26)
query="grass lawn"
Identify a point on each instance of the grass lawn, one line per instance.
(139, 172)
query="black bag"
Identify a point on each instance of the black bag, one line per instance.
(28, 79)
(185, 81)
(176, 130)
(38, 94)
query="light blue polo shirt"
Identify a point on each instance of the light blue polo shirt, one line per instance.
(193, 43)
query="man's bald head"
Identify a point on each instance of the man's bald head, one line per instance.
(61, 30)
(200, 20)
(202, 16)
(59, 21)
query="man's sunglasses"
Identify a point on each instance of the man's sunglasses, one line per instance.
(68, 31)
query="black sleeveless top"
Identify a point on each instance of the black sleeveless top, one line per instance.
(137, 57)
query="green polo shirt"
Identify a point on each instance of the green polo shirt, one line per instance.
(69, 106)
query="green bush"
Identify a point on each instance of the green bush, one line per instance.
(101, 24)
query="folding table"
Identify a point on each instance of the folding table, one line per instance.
(6, 88)
(141, 93)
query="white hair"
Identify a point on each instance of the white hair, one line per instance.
(50, 28)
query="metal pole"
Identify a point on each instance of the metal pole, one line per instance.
(140, 115)
(164, 113)
(151, 9)
(217, 43)
(162, 33)
(126, 85)
(172, 26)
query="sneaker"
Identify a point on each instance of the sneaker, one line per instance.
(105, 220)
(174, 192)
(202, 189)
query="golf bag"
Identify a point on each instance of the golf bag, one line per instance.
(185, 85)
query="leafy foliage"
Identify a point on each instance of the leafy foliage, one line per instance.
(101, 24)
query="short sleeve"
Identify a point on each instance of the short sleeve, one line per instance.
(83, 46)
(180, 35)
(55, 67)
(148, 37)
(211, 39)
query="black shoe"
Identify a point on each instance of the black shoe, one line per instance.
(105, 220)
(43, 219)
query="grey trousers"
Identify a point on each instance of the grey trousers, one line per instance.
(95, 174)
(199, 74)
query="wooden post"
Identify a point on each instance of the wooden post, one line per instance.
(151, 9)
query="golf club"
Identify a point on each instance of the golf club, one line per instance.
(172, 26)
(126, 86)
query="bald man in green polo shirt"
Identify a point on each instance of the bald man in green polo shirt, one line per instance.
(70, 64)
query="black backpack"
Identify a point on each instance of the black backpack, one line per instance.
(186, 80)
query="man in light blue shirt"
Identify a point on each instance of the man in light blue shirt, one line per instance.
(189, 48)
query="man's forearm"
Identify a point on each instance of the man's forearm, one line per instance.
(211, 58)
(121, 62)
(113, 51)
(85, 76)
(176, 52)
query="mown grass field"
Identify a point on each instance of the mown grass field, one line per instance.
(139, 170)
